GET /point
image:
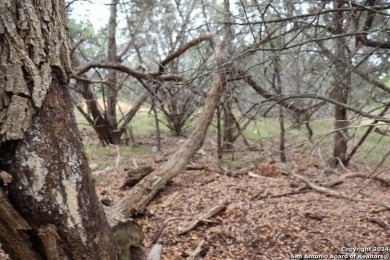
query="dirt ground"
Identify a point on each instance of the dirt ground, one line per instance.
(269, 213)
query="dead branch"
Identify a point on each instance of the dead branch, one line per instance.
(197, 251)
(196, 168)
(210, 213)
(182, 49)
(135, 175)
(122, 68)
(338, 194)
(155, 253)
(159, 232)
(170, 199)
(357, 175)
(114, 217)
(378, 222)
(283, 194)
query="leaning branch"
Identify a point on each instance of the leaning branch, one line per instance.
(182, 49)
(125, 69)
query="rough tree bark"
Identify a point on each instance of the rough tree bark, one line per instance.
(50, 209)
(141, 194)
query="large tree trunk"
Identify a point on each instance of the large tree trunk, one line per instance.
(51, 211)
(141, 194)
(342, 85)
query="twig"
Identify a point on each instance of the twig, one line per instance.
(284, 194)
(210, 213)
(379, 223)
(196, 168)
(196, 251)
(338, 194)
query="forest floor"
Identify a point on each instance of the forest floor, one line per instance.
(269, 214)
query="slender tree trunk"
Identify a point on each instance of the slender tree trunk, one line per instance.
(228, 119)
(112, 88)
(277, 84)
(141, 194)
(219, 133)
(50, 209)
(156, 121)
(342, 85)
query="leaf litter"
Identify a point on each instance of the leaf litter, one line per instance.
(269, 214)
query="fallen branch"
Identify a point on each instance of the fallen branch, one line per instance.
(127, 234)
(197, 251)
(155, 252)
(204, 218)
(196, 168)
(135, 175)
(169, 200)
(159, 232)
(357, 175)
(338, 194)
(284, 194)
(378, 222)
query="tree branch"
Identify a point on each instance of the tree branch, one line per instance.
(182, 49)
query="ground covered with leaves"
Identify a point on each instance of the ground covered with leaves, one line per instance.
(268, 212)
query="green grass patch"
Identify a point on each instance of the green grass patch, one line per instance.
(232, 164)
(372, 151)
(105, 156)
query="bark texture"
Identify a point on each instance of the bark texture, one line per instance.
(51, 196)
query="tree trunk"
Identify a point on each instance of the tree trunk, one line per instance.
(52, 211)
(98, 121)
(342, 84)
(228, 118)
(141, 194)
(112, 87)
